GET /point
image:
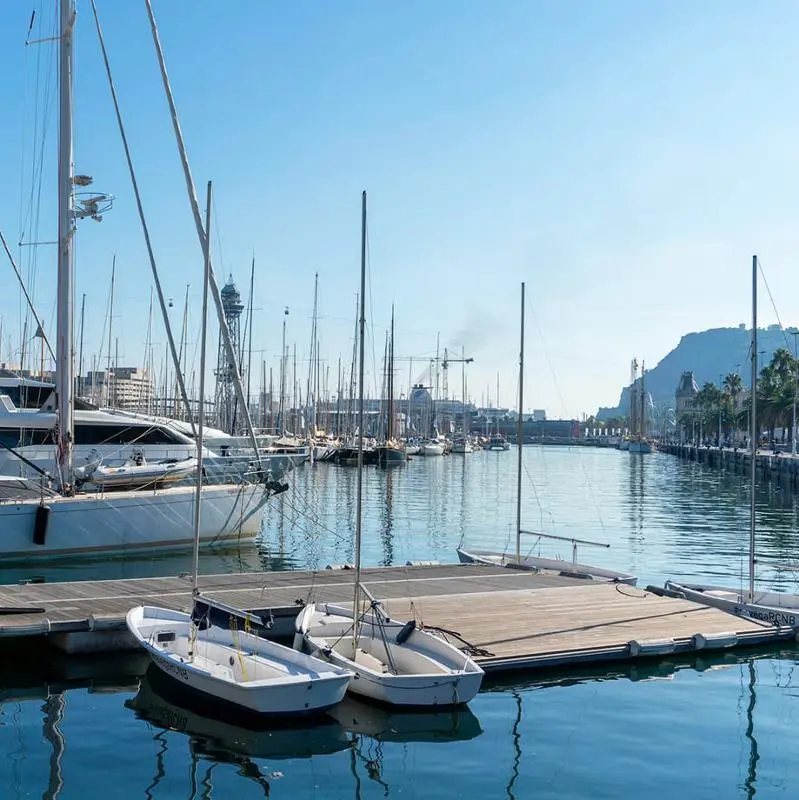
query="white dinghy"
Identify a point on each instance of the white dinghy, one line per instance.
(393, 662)
(138, 473)
(237, 667)
(226, 660)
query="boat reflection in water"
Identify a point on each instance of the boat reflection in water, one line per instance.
(216, 732)
(386, 724)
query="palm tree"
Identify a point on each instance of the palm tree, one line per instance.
(733, 386)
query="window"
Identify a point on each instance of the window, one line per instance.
(87, 433)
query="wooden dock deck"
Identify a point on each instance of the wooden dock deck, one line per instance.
(513, 619)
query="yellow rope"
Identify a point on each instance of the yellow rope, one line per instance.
(234, 628)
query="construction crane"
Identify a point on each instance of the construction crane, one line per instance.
(431, 369)
(445, 369)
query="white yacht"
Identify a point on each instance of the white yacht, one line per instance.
(115, 438)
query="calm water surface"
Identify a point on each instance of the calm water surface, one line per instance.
(712, 728)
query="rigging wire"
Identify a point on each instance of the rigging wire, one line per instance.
(589, 485)
(773, 305)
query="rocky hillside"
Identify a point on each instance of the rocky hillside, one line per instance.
(708, 354)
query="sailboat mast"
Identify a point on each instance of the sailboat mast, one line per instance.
(64, 367)
(519, 440)
(390, 422)
(195, 564)
(359, 484)
(642, 420)
(249, 332)
(753, 436)
(80, 350)
(110, 328)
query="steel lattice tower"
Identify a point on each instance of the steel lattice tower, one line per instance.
(225, 397)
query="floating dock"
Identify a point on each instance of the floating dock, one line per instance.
(511, 619)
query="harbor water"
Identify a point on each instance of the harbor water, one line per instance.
(709, 727)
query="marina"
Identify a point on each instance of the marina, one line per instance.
(242, 555)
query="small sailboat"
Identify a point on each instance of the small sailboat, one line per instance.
(532, 563)
(498, 442)
(393, 662)
(777, 608)
(231, 663)
(236, 668)
(431, 447)
(462, 444)
(390, 452)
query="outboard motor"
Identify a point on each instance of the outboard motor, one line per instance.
(84, 472)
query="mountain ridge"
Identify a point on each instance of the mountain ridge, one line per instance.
(708, 354)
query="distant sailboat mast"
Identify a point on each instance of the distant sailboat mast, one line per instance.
(753, 437)
(519, 440)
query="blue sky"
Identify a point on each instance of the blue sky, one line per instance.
(625, 159)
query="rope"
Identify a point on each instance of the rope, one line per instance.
(644, 594)
(469, 648)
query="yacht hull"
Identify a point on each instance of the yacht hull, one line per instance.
(128, 522)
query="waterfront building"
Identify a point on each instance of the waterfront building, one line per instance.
(685, 400)
(127, 388)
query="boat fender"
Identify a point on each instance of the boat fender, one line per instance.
(407, 629)
(40, 524)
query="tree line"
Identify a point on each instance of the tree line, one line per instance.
(776, 392)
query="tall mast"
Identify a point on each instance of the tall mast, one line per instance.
(184, 346)
(64, 366)
(110, 326)
(497, 414)
(249, 332)
(359, 484)
(80, 351)
(753, 436)
(198, 492)
(642, 420)
(312, 387)
(519, 432)
(390, 422)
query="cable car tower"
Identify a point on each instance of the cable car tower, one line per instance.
(225, 396)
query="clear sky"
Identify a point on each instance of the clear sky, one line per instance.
(624, 158)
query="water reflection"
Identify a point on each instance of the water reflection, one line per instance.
(387, 522)
(223, 736)
(50, 730)
(751, 771)
(352, 725)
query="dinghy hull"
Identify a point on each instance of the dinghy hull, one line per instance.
(237, 668)
(417, 669)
